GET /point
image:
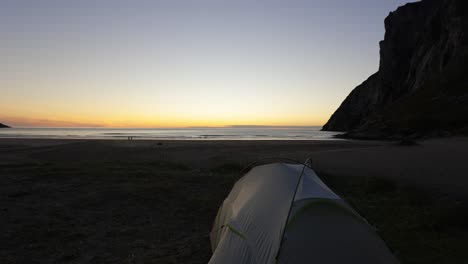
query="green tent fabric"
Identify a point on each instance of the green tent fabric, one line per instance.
(283, 213)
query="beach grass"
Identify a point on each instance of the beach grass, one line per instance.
(419, 226)
(102, 202)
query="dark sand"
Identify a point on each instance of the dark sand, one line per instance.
(105, 201)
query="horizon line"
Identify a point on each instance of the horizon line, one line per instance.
(183, 127)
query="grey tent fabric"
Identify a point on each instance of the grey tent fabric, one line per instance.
(283, 213)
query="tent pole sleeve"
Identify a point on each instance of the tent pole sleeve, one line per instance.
(289, 211)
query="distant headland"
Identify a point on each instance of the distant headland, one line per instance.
(421, 87)
(3, 126)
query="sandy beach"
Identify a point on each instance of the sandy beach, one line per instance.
(110, 201)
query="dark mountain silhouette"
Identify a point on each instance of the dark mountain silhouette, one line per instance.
(3, 126)
(421, 88)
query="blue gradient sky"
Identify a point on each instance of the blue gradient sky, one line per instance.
(184, 62)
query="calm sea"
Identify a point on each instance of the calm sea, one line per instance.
(221, 133)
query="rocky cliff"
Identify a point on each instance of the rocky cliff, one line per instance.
(421, 87)
(3, 126)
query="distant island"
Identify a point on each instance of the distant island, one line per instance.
(421, 87)
(3, 126)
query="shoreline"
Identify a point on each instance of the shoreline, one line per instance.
(135, 138)
(228, 133)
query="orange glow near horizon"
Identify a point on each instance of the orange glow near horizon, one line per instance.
(149, 122)
(192, 102)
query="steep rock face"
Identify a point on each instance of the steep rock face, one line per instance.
(3, 126)
(422, 83)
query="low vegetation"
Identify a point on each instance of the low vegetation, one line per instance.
(419, 226)
(162, 212)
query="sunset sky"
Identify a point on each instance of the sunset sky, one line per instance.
(176, 63)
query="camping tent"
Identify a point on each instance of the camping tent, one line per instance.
(283, 213)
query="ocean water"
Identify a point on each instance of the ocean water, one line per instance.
(220, 133)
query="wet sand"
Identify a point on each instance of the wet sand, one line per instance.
(110, 201)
